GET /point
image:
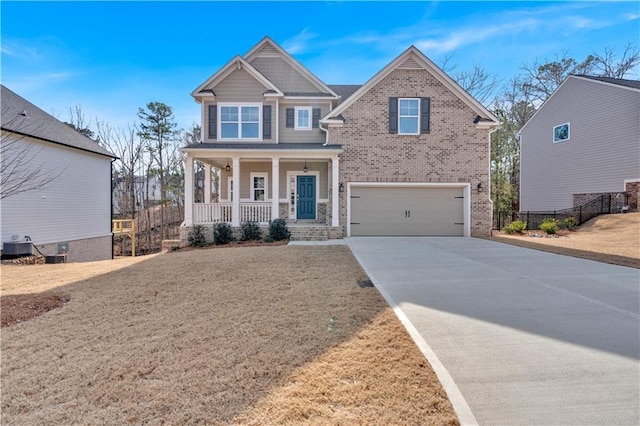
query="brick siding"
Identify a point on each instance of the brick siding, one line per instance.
(453, 152)
(633, 191)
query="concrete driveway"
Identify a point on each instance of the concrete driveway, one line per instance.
(519, 336)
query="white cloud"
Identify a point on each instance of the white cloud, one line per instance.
(300, 42)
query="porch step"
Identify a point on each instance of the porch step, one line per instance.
(314, 233)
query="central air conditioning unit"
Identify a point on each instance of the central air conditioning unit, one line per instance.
(14, 248)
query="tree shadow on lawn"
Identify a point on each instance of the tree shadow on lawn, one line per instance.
(189, 337)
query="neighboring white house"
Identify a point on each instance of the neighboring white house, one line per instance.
(72, 212)
(584, 141)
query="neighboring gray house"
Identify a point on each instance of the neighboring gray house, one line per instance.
(584, 141)
(73, 211)
(407, 153)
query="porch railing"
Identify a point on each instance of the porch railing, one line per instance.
(255, 212)
(211, 213)
(204, 213)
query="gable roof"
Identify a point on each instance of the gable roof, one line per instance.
(344, 90)
(608, 81)
(22, 117)
(267, 46)
(634, 84)
(232, 65)
(412, 58)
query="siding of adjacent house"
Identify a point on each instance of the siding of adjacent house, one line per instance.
(246, 168)
(603, 149)
(453, 152)
(74, 207)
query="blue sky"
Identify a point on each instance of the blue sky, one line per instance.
(114, 57)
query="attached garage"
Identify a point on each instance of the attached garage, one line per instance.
(408, 210)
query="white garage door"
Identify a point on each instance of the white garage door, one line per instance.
(407, 211)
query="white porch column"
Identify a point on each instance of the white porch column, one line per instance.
(235, 206)
(207, 183)
(188, 191)
(275, 191)
(335, 191)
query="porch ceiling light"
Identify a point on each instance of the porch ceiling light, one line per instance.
(305, 169)
(227, 167)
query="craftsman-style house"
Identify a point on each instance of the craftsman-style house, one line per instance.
(407, 153)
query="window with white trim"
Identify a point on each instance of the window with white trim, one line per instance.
(230, 189)
(239, 121)
(259, 186)
(561, 133)
(408, 116)
(303, 118)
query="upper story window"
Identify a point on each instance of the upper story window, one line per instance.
(239, 121)
(303, 118)
(408, 116)
(561, 133)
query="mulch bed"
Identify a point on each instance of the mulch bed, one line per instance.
(22, 307)
(584, 254)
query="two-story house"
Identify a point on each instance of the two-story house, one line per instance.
(407, 153)
(582, 143)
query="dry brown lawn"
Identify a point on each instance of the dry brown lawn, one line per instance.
(252, 335)
(611, 238)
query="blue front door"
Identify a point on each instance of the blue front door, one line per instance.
(306, 190)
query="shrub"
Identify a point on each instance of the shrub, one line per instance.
(268, 239)
(278, 230)
(222, 233)
(250, 231)
(570, 223)
(196, 236)
(549, 225)
(517, 226)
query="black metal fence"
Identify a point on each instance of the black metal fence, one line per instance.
(604, 204)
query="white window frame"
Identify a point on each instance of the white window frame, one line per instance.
(309, 111)
(239, 105)
(568, 132)
(409, 116)
(229, 189)
(266, 186)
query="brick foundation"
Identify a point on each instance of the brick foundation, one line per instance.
(633, 193)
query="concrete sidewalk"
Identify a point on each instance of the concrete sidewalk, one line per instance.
(526, 337)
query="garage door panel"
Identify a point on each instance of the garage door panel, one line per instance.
(407, 211)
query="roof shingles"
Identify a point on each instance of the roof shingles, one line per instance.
(21, 116)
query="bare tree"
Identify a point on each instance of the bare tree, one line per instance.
(478, 82)
(541, 80)
(608, 65)
(20, 169)
(129, 150)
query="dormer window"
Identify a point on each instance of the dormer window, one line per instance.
(239, 121)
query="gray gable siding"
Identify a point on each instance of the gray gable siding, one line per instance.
(603, 149)
(289, 135)
(285, 77)
(239, 86)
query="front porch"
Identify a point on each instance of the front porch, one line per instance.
(259, 183)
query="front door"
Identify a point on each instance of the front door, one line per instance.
(306, 190)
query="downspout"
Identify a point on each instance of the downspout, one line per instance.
(113, 239)
(326, 132)
(489, 183)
